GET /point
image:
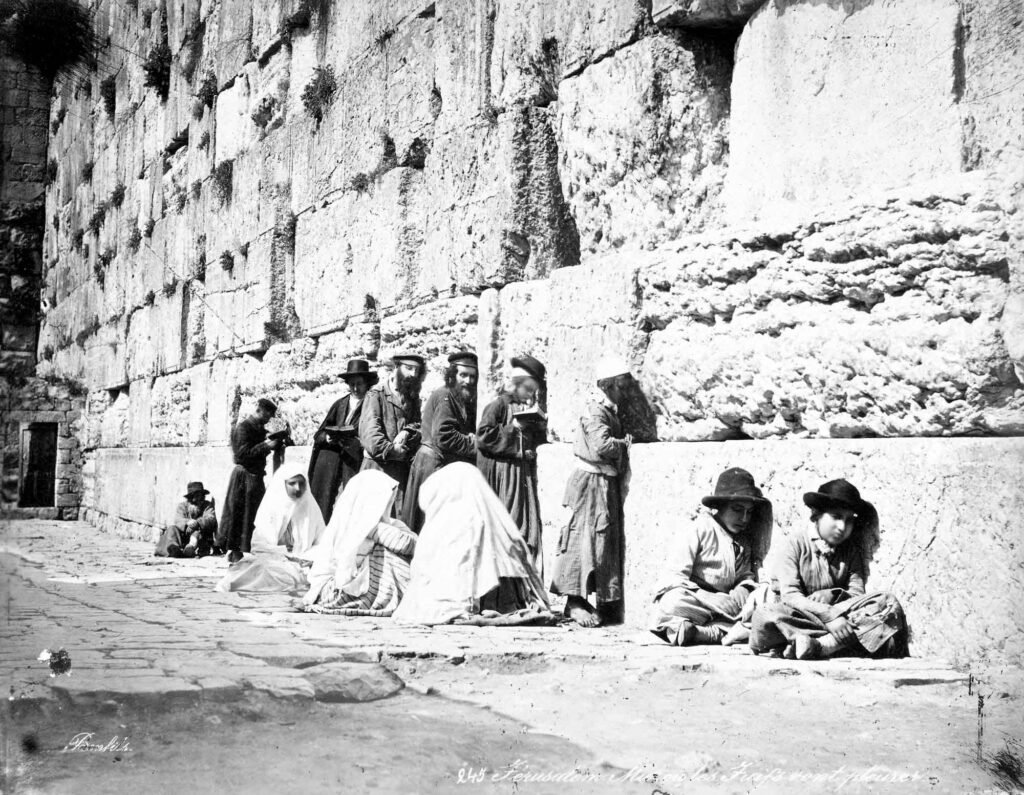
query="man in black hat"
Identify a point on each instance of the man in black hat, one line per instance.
(191, 533)
(250, 448)
(337, 454)
(389, 428)
(714, 568)
(511, 429)
(449, 428)
(824, 607)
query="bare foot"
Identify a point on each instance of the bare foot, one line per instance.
(737, 634)
(580, 611)
(807, 648)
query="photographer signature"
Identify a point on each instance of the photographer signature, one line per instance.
(83, 742)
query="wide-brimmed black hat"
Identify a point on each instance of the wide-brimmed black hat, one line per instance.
(465, 358)
(194, 486)
(266, 403)
(735, 484)
(360, 367)
(836, 494)
(531, 365)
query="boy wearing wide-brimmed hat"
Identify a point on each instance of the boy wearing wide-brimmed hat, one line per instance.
(714, 568)
(824, 606)
(337, 454)
(191, 533)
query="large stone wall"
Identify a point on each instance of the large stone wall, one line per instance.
(801, 220)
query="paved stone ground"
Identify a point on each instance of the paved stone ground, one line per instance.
(153, 631)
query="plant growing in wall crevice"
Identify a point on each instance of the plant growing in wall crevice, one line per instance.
(87, 167)
(157, 66)
(134, 239)
(227, 261)
(108, 92)
(54, 36)
(51, 171)
(319, 92)
(117, 196)
(96, 219)
(77, 239)
(222, 180)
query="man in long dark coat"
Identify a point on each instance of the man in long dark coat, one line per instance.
(389, 429)
(250, 448)
(591, 548)
(507, 449)
(337, 454)
(449, 426)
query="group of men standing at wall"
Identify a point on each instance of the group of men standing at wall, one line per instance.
(384, 425)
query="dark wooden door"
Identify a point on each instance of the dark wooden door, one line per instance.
(38, 465)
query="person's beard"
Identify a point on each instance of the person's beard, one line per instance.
(408, 386)
(467, 395)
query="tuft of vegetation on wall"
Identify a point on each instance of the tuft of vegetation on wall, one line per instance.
(319, 92)
(134, 239)
(116, 196)
(222, 180)
(54, 36)
(108, 93)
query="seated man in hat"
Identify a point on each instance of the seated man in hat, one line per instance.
(337, 454)
(512, 427)
(389, 429)
(449, 427)
(249, 449)
(191, 533)
(591, 546)
(824, 606)
(713, 570)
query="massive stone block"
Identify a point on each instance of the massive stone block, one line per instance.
(652, 169)
(870, 103)
(885, 324)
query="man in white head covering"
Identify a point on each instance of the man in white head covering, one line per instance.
(590, 549)
(288, 526)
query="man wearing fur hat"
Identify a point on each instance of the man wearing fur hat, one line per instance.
(590, 548)
(449, 431)
(713, 570)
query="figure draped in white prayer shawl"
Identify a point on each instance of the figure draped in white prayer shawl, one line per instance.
(288, 526)
(361, 566)
(472, 564)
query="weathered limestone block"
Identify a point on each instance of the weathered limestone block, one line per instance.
(496, 212)
(154, 336)
(991, 60)
(115, 421)
(198, 400)
(333, 350)
(432, 330)
(651, 170)
(229, 378)
(943, 545)
(169, 406)
(823, 127)
(888, 323)
(702, 13)
(538, 42)
(597, 305)
(233, 20)
(513, 320)
(345, 261)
